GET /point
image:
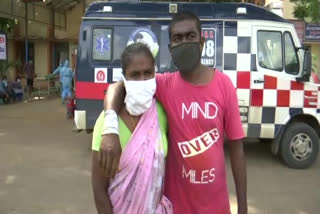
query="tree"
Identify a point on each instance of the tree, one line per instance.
(307, 9)
(6, 26)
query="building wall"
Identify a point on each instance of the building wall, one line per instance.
(11, 71)
(315, 48)
(73, 21)
(269, 2)
(41, 51)
(288, 8)
(72, 51)
(40, 28)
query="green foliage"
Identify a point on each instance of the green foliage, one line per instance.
(214, 1)
(307, 9)
(6, 25)
(5, 66)
(315, 68)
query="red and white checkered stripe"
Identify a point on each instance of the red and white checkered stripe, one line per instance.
(277, 93)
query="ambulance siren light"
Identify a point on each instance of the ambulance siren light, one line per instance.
(242, 11)
(107, 9)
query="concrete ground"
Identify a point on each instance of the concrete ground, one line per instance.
(45, 168)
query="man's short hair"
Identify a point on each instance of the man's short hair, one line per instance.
(182, 16)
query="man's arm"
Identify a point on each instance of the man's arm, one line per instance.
(55, 72)
(100, 186)
(238, 165)
(110, 149)
(114, 97)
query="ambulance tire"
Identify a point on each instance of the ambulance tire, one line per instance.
(299, 146)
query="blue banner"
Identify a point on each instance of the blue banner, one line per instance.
(312, 32)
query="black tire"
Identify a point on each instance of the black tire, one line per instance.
(299, 157)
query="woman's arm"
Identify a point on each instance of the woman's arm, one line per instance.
(100, 187)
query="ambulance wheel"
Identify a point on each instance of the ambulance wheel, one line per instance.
(299, 146)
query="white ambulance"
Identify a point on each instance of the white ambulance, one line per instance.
(258, 50)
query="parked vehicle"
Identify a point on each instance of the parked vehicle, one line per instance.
(258, 50)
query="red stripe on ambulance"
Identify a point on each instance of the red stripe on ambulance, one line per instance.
(270, 82)
(243, 79)
(283, 98)
(90, 90)
(310, 99)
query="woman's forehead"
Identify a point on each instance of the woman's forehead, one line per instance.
(141, 57)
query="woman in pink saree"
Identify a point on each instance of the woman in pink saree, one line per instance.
(138, 186)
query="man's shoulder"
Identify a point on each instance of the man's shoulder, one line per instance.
(167, 74)
(165, 78)
(223, 78)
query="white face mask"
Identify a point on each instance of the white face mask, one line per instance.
(139, 95)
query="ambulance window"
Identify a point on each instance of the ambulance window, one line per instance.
(122, 36)
(102, 44)
(290, 55)
(270, 50)
(84, 35)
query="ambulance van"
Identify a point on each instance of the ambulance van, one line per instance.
(258, 50)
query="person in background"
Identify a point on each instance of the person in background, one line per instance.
(5, 81)
(66, 76)
(7, 87)
(17, 89)
(30, 74)
(3, 92)
(70, 107)
(57, 72)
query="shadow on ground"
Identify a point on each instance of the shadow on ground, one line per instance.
(45, 168)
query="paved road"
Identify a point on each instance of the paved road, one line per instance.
(45, 168)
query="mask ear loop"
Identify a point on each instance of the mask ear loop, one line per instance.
(124, 82)
(124, 79)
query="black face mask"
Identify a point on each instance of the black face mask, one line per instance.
(186, 56)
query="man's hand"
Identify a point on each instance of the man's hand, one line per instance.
(238, 165)
(109, 154)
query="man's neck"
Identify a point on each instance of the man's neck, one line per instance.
(201, 75)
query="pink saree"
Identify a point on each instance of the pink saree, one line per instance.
(138, 187)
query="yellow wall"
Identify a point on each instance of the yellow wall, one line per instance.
(288, 8)
(268, 2)
(11, 71)
(37, 30)
(39, 25)
(74, 20)
(88, 2)
(315, 49)
(72, 49)
(41, 50)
